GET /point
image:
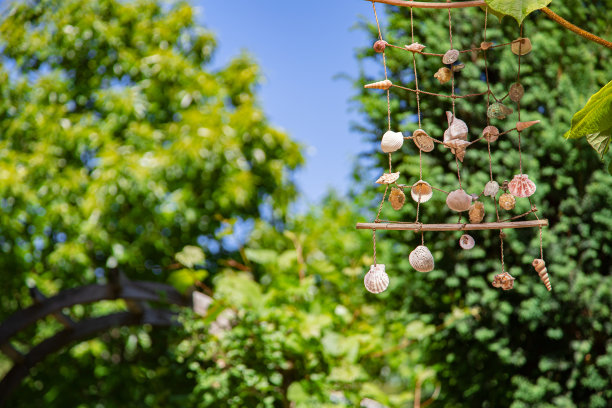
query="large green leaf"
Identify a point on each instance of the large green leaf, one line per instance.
(600, 141)
(595, 117)
(518, 9)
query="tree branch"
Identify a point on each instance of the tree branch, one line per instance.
(561, 21)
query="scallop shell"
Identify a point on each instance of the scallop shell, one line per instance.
(388, 178)
(540, 267)
(421, 190)
(516, 92)
(450, 56)
(521, 186)
(476, 212)
(457, 67)
(466, 241)
(376, 280)
(457, 147)
(421, 259)
(391, 141)
(507, 201)
(486, 45)
(397, 198)
(491, 189)
(503, 280)
(379, 46)
(520, 126)
(443, 75)
(386, 84)
(521, 46)
(457, 129)
(459, 201)
(415, 47)
(490, 133)
(422, 140)
(497, 110)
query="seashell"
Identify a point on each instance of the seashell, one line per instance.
(521, 46)
(397, 198)
(507, 201)
(386, 84)
(503, 280)
(457, 147)
(476, 212)
(422, 140)
(490, 133)
(520, 126)
(391, 141)
(421, 190)
(457, 129)
(458, 200)
(376, 280)
(388, 178)
(415, 47)
(450, 56)
(491, 189)
(457, 67)
(443, 75)
(379, 46)
(498, 111)
(474, 197)
(421, 259)
(521, 186)
(486, 45)
(466, 241)
(516, 92)
(540, 267)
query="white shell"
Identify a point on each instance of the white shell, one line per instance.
(388, 178)
(422, 140)
(459, 200)
(466, 241)
(421, 259)
(391, 141)
(376, 280)
(416, 47)
(491, 189)
(457, 129)
(521, 186)
(421, 190)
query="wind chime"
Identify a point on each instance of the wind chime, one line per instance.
(455, 138)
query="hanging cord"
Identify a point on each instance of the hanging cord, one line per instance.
(374, 243)
(518, 104)
(416, 86)
(384, 66)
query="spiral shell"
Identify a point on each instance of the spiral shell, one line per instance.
(415, 47)
(521, 46)
(388, 178)
(521, 186)
(503, 280)
(376, 280)
(520, 126)
(490, 133)
(486, 45)
(421, 259)
(498, 111)
(491, 189)
(443, 75)
(379, 46)
(540, 267)
(422, 140)
(466, 241)
(391, 141)
(459, 201)
(450, 56)
(507, 201)
(386, 84)
(476, 212)
(457, 129)
(397, 198)
(457, 147)
(516, 92)
(421, 190)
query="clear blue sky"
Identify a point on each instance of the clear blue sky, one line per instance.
(300, 47)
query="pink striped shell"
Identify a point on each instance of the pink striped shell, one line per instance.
(521, 186)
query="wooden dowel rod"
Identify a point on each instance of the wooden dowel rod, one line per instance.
(451, 227)
(421, 4)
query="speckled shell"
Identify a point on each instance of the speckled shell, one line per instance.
(443, 75)
(379, 46)
(422, 140)
(397, 198)
(520, 126)
(423, 189)
(457, 147)
(386, 84)
(421, 259)
(476, 212)
(540, 267)
(498, 111)
(504, 281)
(521, 46)
(521, 186)
(516, 92)
(486, 45)
(450, 56)
(415, 47)
(466, 241)
(376, 280)
(507, 201)
(490, 133)
(457, 129)
(388, 178)
(459, 201)
(391, 141)
(491, 189)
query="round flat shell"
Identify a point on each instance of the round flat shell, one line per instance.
(450, 56)
(423, 141)
(516, 92)
(521, 46)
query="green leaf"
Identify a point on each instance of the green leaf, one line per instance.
(497, 14)
(595, 117)
(190, 256)
(600, 141)
(518, 9)
(185, 278)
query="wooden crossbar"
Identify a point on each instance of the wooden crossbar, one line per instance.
(450, 227)
(422, 4)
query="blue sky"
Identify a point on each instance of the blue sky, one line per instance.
(301, 47)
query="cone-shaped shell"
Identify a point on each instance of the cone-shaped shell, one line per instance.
(391, 141)
(476, 212)
(490, 133)
(521, 186)
(516, 92)
(459, 200)
(486, 45)
(421, 190)
(443, 75)
(388, 178)
(507, 201)
(498, 110)
(376, 280)
(422, 140)
(466, 241)
(540, 267)
(457, 129)
(450, 56)
(491, 189)
(386, 84)
(521, 46)
(457, 147)
(379, 46)
(421, 259)
(415, 47)
(397, 198)
(520, 126)
(504, 281)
